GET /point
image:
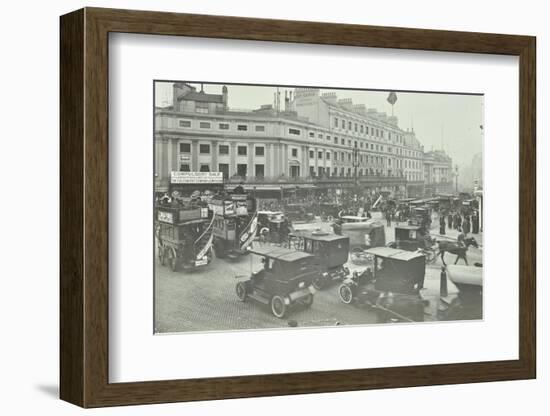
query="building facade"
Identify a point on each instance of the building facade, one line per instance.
(311, 138)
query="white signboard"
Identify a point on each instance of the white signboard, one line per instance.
(197, 177)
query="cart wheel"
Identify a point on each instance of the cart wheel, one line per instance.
(278, 307)
(307, 301)
(346, 294)
(319, 283)
(241, 291)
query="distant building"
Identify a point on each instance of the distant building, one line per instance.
(438, 172)
(310, 141)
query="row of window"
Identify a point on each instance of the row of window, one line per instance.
(221, 126)
(223, 149)
(298, 132)
(260, 151)
(366, 130)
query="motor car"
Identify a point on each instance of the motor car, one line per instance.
(391, 286)
(284, 281)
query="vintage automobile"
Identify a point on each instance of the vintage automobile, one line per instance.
(285, 280)
(363, 232)
(298, 213)
(273, 226)
(468, 303)
(392, 286)
(414, 238)
(331, 252)
(184, 235)
(235, 224)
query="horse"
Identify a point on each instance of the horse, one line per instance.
(455, 248)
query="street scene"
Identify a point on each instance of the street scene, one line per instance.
(311, 211)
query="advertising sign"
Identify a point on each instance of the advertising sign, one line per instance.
(196, 177)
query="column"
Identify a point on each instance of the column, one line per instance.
(285, 159)
(195, 155)
(305, 162)
(163, 159)
(232, 158)
(281, 165)
(173, 157)
(250, 170)
(268, 168)
(214, 153)
(276, 170)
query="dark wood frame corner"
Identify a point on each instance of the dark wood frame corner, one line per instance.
(84, 207)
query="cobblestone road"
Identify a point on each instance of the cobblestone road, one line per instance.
(205, 300)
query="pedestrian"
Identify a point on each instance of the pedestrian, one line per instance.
(475, 223)
(442, 225)
(466, 225)
(388, 217)
(450, 220)
(458, 221)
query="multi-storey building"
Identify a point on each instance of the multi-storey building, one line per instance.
(438, 172)
(313, 139)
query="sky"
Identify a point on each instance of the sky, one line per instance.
(448, 121)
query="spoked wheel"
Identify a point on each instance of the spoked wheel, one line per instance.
(278, 307)
(346, 294)
(307, 301)
(240, 289)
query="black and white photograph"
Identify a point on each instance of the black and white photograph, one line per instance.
(281, 206)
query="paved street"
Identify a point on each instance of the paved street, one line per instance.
(205, 300)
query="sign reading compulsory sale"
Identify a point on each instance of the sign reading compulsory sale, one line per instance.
(197, 177)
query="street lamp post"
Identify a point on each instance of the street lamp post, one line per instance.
(456, 179)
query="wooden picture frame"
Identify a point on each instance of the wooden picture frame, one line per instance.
(84, 207)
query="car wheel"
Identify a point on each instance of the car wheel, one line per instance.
(241, 291)
(346, 294)
(307, 301)
(318, 283)
(278, 307)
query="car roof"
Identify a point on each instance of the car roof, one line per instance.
(393, 253)
(321, 236)
(407, 227)
(280, 253)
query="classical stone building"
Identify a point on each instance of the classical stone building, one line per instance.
(308, 140)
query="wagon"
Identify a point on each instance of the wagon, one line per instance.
(284, 281)
(413, 238)
(391, 286)
(184, 236)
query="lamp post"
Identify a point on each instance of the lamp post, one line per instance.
(456, 179)
(355, 175)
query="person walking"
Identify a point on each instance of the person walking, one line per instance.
(466, 225)
(475, 223)
(450, 220)
(442, 225)
(388, 217)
